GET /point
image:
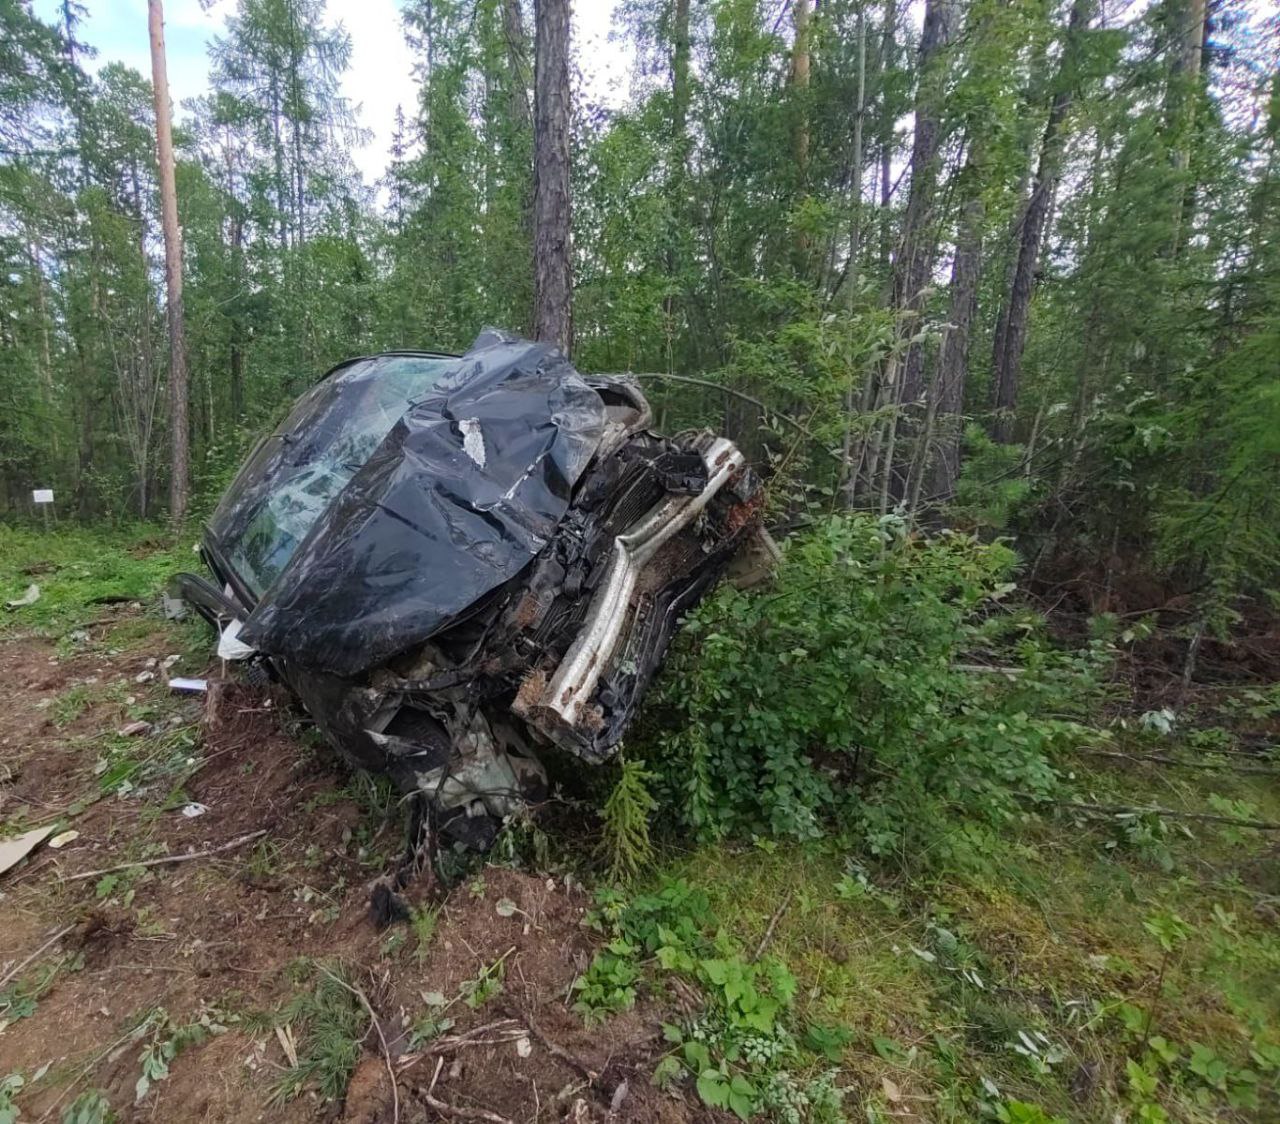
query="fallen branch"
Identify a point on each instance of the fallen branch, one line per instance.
(1126, 810)
(491, 1034)
(773, 925)
(456, 1112)
(765, 411)
(1161, 759)
(576, 1064)
(165, 860)
(988, 669)
(382, 1038)
(13, 972)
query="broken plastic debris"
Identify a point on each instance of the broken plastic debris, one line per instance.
(29, 598)
(133, 729)
(473, 440)
(192, 810)
(175, 609)
(144, 677)
(63, 838)
(230, 646)
(13, 851)
(181, 684)
(169, 661)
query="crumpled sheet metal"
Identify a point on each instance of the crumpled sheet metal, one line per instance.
(464, 491)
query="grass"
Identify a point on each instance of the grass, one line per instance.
(79, 570)
(328, 1023)
(1096, 968)
(1036, 974)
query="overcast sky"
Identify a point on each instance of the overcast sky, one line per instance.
(380, 76)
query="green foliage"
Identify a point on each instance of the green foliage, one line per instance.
(10, 1085)
(993, 482)
(477, 992)
(166, 1042)
(835, 695)
(740, 1052)
(423, 921)
(625, 819)
(90, 1107)
(330, 1024)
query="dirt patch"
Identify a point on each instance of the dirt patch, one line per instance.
(150, 952)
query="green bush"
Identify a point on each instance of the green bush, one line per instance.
(843, 693)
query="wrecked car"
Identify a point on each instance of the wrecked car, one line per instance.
(457, 563)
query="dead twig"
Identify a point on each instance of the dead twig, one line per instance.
(491, 1034)
(13, 972)
(773, 925)
(1161, 759)
(1126, 810)
(574, 1063)
(165, 860)
(456, 1112)
(382, 1038)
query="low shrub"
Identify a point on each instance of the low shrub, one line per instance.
(852, 692)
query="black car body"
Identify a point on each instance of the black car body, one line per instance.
(455, 561)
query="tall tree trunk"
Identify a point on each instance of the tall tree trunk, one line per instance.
(552, 246)
(676, 180)
(902, 380)
(180, 470)
(1184, 83)
(919, 240)
(848, 471)
(946, 396)
(801, 14)
(1011, 331)
(517, 62)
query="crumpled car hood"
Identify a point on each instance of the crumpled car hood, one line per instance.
(463, 492)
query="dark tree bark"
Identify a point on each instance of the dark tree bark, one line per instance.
(1011, 331)
(800, 14)
(552, 247)
(517, 62)
(919, 241)
(677, 177)
(180, 469)
(1184, 81)
(902, 378)
(946, 400)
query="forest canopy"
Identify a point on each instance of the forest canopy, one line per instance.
(1011, 265)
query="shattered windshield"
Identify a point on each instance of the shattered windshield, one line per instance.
(298, 471)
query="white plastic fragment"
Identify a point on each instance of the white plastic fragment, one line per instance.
(169, 661)
(63, 838)
(230, 646)
(473, 441)
(144, 677)
(29, 598)
(192, 810)
(13, 851)
(178, 683)
(175, 609)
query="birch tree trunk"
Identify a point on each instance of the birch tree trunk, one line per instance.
(180, 469)
(552, 246)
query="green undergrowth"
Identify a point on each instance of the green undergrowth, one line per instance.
(882, 683)
(1061, 977)
(80, 570)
